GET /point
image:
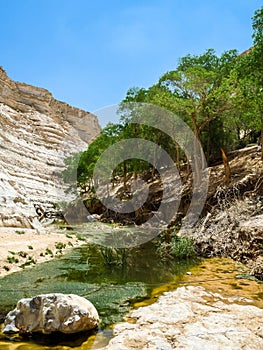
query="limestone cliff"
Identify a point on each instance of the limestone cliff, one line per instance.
(36, 133)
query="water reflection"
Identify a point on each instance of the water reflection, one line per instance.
(111, 288)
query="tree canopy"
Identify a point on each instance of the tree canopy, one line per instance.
(219, 97)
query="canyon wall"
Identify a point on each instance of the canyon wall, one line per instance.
(36, 133)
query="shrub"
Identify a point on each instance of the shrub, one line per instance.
(183, 247)
(12, 259)
(170, 246)
(20, 232)
(60, 246)
(114, 256)
(48, 251)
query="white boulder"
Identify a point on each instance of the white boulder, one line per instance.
(47, 313)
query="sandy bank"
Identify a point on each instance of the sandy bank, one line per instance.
(25, 247)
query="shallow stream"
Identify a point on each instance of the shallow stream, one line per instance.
(115, 288)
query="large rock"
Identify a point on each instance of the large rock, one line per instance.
(47, 313)
(191, 318)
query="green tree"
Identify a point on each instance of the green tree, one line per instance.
(198, 96)
(257, 63)
(220, 98)
(245, 88)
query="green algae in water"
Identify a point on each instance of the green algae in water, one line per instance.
(112, 289)
(248, 277)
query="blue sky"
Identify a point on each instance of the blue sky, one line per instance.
(89, 53)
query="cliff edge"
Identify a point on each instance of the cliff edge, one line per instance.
(36, 133)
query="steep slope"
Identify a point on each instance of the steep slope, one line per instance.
(36, 133)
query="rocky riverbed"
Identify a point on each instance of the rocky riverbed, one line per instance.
(192, 318)
(215, 307)
(215, 302)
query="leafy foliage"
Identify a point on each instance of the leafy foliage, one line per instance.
(219, 97)
(171, 246)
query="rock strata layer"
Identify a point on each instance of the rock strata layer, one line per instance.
(36, 133)
(47, 313)
(192, 318)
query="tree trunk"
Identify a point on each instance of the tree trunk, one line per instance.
(261, 142)
(154, 161)
(177, 154)
(198, 162)
(124, 176)
(227, 178)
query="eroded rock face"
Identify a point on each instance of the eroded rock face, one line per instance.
(47, 313)
(233, 230)
(36, 133)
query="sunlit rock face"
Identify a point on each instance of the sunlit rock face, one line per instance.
(191, 318)
(36, 133)
(48, 313)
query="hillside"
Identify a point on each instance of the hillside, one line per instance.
(231, 222)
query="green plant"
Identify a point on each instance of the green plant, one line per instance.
(59, 205)
(163, 251)
(170, 246)
(22, 254)
(48, 251)
(183, 247)
(30, 247)
(81, 238)
(11, 252)
(12, 259)
(20, 232)
(60, 245)
(108, 255)
(114, 256)
(29, 262)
